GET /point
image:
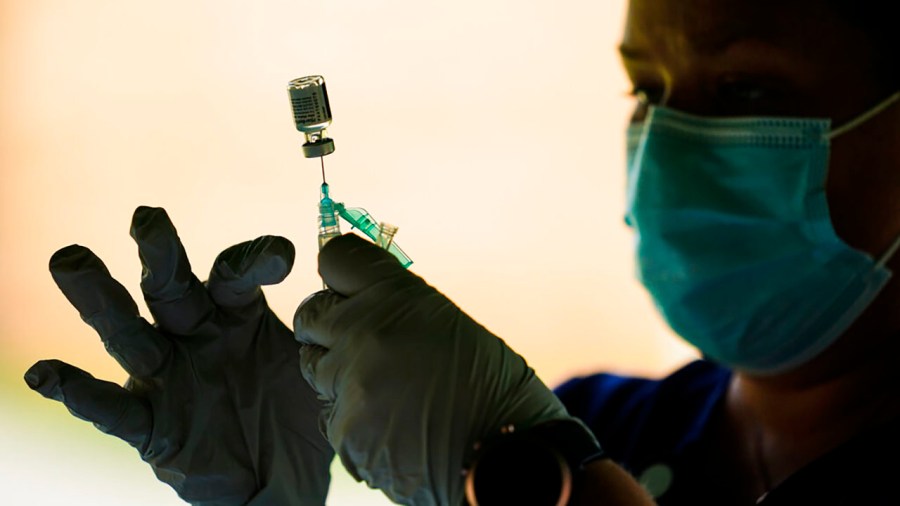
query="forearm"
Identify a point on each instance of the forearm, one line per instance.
(605, 483)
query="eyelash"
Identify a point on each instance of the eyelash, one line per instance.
(732, 94)
(745, 91)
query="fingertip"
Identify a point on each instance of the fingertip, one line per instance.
(266, 260)
(43, 378)
(142, 210)
(279, 244)
(273, 262)
(147, 219)
(71, 258)
(32, 377)
(344, 242)
(309, 311)
(349, 264)
(287, 252)
(108, 406)
(144, 213)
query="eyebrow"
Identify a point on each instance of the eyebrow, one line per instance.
(706, 44)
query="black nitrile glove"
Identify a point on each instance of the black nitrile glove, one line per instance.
(215, 402)
(412, 382)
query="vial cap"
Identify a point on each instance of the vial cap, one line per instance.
(321, 147)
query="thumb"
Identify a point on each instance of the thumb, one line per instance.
(240, 270)
(349, 264)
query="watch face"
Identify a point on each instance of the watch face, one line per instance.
(519, 470)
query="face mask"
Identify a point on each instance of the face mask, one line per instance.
(733, 237)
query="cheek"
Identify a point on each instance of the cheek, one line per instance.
(863, 189)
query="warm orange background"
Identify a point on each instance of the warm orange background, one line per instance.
(490, 132)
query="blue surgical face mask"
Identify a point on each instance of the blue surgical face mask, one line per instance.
(734, 240)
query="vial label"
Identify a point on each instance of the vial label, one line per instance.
(308, 110)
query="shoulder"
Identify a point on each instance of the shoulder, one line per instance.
(636, 418)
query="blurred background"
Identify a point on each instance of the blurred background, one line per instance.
(491, 133)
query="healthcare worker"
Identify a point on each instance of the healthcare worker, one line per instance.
(764, 195)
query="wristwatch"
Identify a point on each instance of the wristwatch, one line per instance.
(536, 466)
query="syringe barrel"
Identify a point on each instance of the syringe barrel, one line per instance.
(327, 236)
(329, 227)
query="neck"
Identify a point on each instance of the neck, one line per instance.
(785, 422)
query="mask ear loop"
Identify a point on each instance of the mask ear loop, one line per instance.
(862, 118)
(888, 254)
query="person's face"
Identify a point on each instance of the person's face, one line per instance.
(779, 58)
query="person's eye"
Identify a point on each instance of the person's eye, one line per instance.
(742, 90)
(745, 94)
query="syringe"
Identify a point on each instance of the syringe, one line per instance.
(312, 115)
(329, 227)
(382, 233)
(360, 219)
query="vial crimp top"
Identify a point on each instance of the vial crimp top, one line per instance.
(312, 114)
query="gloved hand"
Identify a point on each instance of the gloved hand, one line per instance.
(215, 402)
(411, 382)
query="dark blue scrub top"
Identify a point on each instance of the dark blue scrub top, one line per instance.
(660, 431)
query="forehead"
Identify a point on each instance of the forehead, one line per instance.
(708, 25)
(690, 20)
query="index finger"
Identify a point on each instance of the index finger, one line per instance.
(315, 318)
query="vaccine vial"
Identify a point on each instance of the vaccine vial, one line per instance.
(312, 114)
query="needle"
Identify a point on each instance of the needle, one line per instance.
(322, 159)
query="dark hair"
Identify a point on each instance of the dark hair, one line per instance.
(878, 19)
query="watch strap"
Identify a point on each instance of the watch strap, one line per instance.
(538, 465)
